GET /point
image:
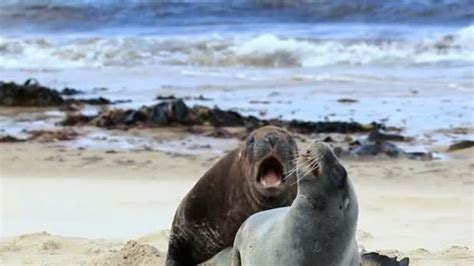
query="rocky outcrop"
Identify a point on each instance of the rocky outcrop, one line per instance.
(177, 113)
(28, 94)
(32, 94)
(463, 144)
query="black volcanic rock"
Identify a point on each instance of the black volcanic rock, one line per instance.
(463, 144)
(70, 92)
(32, 94)
(28, 94)
(177, 113)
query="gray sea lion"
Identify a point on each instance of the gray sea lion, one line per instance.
(249, 179)
(318, 229)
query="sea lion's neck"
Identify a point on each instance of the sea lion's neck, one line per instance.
(307, 217)
(308, 205)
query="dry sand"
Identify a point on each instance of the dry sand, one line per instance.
(419, 209)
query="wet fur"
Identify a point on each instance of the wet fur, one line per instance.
(209, 216)
(319, 227)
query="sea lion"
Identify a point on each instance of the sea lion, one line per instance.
(318, 229)
(249, 179)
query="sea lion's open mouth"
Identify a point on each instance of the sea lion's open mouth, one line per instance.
(270, 172)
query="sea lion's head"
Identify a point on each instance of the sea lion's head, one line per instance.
(324, 181)
(268, 154)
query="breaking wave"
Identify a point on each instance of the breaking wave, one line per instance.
(265, 50)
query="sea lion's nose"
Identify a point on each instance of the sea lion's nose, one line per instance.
(272, 139)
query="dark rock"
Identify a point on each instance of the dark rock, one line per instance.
(346, 100)
(367, 148)
(328, 139)
(175, 112)
(70, 92)
(74, 119)
(376, 135)
(31, 94)
(121, 101)
(376, 148)
(167, 113)
(99, 89)
(354, 144)
(464, 144)
(423, 156)
(172, 97)
(327, 127)
(28, 94)
(92, 101)
(202, 98)
(165, 98)
(31, 82)
(136, 116)
(374, 258)
(10, 139)
(178, 111)
(111, 118)
(220, 118)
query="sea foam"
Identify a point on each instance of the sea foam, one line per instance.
(262, 50)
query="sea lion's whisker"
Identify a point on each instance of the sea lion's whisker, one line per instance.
(291, 171)
(302, 165)
(308, 170)
(313, 165)
(295, 160)
(294, 155)
(298, 179)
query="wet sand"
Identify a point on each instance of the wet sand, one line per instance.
(63, 205)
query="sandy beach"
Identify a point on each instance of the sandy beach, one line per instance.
(69, 206)
(110, 111)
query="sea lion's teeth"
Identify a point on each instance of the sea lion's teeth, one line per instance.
(271, 179)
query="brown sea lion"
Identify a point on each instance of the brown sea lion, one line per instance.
(249, 179)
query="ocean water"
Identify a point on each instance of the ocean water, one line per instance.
(52, 34)
(409, 63)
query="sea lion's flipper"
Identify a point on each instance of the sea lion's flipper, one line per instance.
(376, 259)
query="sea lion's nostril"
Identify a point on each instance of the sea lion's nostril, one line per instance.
(272, 140)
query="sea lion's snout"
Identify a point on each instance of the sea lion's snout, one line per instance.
(319, 161)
